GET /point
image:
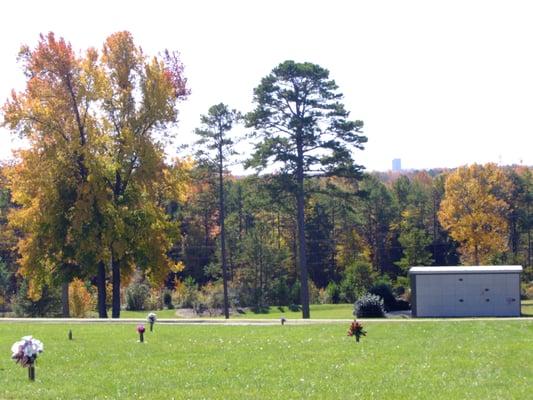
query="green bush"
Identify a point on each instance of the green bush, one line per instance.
(261, 309)
(333, 292)
(401, 286)
(155, 300)
(280, 293)
(49, 305)
(136, 296)
(323, 296)
(295, 307)
(167, 299)
(314, 293)
(527, 291)
(384, 290)
(358, 277)
(295, 293)
(186, 296)
(391, 303)
(211, 299)
(369, 306)
(213, 295)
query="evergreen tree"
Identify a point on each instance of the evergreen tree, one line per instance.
(217, 146)
(303, 129)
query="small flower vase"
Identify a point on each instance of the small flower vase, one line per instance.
(151, 326)
(357, 338)
(31, 372)
(141, 337)
(70, 334)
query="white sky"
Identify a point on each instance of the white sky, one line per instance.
(437, 83)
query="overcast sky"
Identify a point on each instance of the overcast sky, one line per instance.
(437, 83)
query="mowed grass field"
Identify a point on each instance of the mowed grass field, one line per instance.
(398, 359)
(318, 311)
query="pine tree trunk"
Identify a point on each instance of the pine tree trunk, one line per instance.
(239, 192)
(101, 287)
(300, 205)
(223, 233)
(64, 300)
(115, 313)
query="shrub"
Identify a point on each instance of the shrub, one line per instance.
(295, 307)
(401, 286)
(136, 296)
(48, 305)
(369, 306)
(109, 295)
(261, 309)
(323, 296)
(295, 293)
(384, 290)
(280, 292)
(213, 297)
(155, 300)
(358, 277)
(527, 291)
(4, 284)
(167, 299)
(186, 293)
(79, 298)
(333, 292)
(402, 305)
(314, 294)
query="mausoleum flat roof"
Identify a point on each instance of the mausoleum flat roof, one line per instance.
(466, 269)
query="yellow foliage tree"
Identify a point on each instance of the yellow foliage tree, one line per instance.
(80, 300)
(91, 187)
(474, 211)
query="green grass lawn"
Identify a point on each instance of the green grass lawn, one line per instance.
(318, 311)
(144, 314)
(401, 360)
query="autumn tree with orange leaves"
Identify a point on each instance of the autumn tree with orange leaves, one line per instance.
(474, 211)
(89, 185)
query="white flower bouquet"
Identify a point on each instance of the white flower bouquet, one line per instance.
(152, 317)
(25, 353)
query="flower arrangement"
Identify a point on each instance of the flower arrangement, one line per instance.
(140, 330)
(152, 317)
(356, 329)
(25, 353)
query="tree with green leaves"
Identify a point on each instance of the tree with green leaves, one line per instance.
(414, 201)
(376, 211)
(303, 129)
(215, 146)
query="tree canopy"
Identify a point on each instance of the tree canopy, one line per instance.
(474, 210)
(303, 129)
(96, 124)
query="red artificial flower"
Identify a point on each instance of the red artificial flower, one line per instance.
(356, 329)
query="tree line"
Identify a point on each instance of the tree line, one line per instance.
(94, 198)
